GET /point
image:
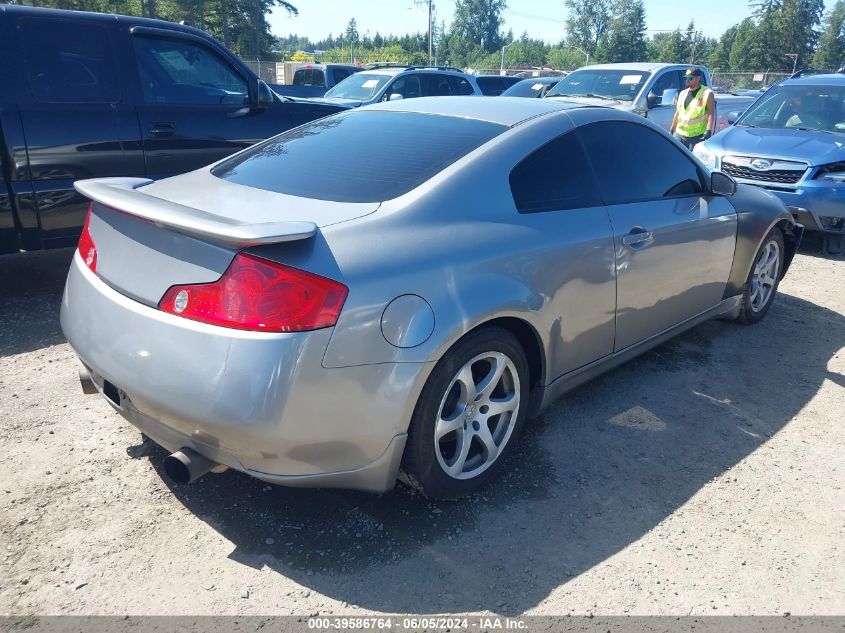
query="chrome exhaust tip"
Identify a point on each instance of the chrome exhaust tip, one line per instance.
(88, 386)
(187, 465)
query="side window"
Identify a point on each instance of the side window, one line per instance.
(670, 80)
(181, 72)
(339, 74)
(460, 86)
(317, 78)
(408, 87)
(555, 177)
(438, 85)
(633, 162)
(69, 63)
(308, 77)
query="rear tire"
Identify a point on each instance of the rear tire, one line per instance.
(763, 279)
(468, 417)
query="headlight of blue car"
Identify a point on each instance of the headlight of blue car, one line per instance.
(705, 156)
(834, 172)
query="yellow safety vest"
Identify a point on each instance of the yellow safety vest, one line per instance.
(692, 120)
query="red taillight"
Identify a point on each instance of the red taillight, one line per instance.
(86, 244)
(257, 294)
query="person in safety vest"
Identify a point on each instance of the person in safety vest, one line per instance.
(695, 114)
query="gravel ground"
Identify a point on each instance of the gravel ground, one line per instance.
(706, 477)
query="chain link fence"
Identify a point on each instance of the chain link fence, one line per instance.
(266, 71)
(751, 80)
(282, 72)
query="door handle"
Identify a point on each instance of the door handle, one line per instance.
(638, 237)
(162, 130)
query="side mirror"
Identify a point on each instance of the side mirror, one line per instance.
(653, 100)
(722, 184)
(265, 96)
(396, 97)
(670, 95)
(732, 117)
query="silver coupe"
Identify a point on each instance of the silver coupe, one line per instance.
(391, 292)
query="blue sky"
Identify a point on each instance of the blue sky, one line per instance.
(541, 18)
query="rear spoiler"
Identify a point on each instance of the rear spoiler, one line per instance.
(122, 195)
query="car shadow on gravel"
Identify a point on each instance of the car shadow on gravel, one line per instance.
(597, 472)
(31, 290)
(813, 244)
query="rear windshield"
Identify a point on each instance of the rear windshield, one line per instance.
(357, 156)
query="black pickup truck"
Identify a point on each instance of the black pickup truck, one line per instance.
(86, 95)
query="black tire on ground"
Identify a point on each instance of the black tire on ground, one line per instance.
(748, 313)
(421, 468)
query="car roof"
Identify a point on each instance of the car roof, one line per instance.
(383, 71)
(103, 17)
(637, 66)
(395, 70)
(307, 65)
(829, 79)
(507, 111)
(541, 80)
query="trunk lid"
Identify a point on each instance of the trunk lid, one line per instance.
(150, 236)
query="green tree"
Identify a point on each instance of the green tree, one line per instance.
(587, 23)
(695, 45)
(564, 58)
(668, 48)
(720, 55)
(831, 51)
(479, 23)
(625, 41)
(786, 32)
(744, 53)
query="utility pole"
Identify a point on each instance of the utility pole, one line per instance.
(581, 50)
(429, 32)
(422, 3)
(502, 67)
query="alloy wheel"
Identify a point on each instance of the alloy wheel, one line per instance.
(477, 415)
(765, 275)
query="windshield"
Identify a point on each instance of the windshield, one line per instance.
(361, 86)
(798, 106)
(526, 88)
(622, 85)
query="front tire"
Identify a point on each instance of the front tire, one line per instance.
(468, 417)
(763, 279)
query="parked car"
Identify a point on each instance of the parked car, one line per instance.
(535, 87)
(391, 83)
(87, 95)
(495, 85)
(792, 143)
(411, 311)
(648, 89)
(312, 80)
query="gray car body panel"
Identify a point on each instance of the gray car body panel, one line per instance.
(758, 211)
(256, 402)
(331, 407)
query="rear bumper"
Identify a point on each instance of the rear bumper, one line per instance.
(256, 402)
